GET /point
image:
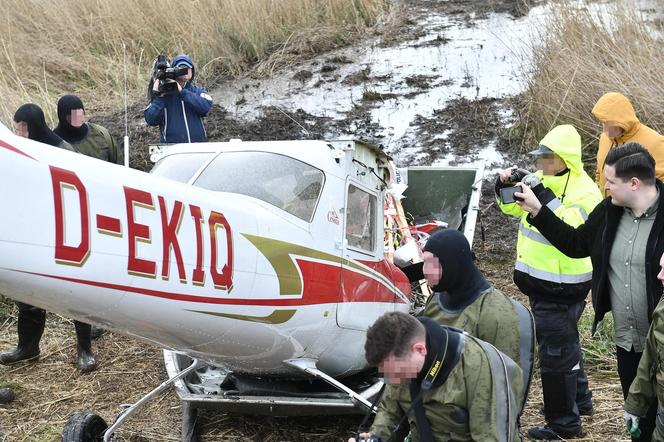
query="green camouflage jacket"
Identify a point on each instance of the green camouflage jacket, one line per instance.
(475, 403)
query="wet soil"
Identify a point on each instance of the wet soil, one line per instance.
(459, 127)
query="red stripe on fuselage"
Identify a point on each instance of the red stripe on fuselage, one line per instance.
(321, 286)
(392, 273)
(14, 149)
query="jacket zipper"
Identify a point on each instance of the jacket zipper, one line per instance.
(186, 125)
(165, 125)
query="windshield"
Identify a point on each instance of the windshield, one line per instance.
(181, 166)
(282, 181)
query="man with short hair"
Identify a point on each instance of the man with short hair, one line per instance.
(620, 125)
(622, 236)
(446, 383)
(180, 115)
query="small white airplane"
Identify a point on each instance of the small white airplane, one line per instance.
(261, 258)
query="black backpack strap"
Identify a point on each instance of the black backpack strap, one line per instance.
(449, 353)
(503, 371)
(526, 348)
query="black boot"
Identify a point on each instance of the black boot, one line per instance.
(97, 332)
(86, 360)
(30, 327)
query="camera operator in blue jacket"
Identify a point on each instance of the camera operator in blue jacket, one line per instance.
(179, 113)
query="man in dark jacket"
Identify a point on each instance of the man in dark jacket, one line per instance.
(624, 237)
(180, 115)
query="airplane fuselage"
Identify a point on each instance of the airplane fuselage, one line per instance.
(236, 280)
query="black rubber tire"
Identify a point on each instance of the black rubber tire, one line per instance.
(84, 427)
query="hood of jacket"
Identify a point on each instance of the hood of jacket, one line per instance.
(185, 59)
(565, 142)
(615, 108)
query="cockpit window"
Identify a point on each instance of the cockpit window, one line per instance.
(282, 181)
(360, 219)
(181, 166)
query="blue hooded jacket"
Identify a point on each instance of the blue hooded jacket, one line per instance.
(180, 116)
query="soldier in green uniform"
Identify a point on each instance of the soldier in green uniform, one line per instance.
(444, 384)
(89, 139)
(464, 299)
(647, 385)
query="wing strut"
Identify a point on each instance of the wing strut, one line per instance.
(308, 365)
(142, 401)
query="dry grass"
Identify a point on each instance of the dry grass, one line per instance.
(52, 47)
(579, 55)
(51, 389)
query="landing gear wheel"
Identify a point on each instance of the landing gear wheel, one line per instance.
(84, 427)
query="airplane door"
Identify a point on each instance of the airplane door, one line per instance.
(364, 294)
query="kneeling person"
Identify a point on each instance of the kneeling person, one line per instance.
(446, 383)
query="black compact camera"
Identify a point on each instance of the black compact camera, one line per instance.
(507, 194)
(166, 75)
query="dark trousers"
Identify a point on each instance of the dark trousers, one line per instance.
(31, 326)
(628, 362)
(564, 381)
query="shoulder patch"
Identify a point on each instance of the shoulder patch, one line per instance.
(206, 96)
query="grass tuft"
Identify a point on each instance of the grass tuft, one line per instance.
(581, 52)
(599, 351)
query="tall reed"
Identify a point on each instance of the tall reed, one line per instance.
(581, 52)
(57, 46)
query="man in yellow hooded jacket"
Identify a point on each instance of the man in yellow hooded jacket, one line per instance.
(555, 284)
(620, 125)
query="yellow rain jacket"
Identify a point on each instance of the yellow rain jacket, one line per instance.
(615, 108)
(541, 270)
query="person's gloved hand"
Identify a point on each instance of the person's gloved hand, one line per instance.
(632, 422)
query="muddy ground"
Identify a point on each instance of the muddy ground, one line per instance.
(51, 389)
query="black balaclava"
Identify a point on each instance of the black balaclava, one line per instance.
(461, 282)
(33, 116)
(69, 133)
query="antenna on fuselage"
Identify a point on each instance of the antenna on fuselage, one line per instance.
(304, 129)
(126, 135)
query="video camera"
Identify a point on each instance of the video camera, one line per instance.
(166, 75)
